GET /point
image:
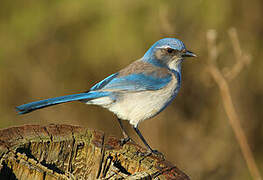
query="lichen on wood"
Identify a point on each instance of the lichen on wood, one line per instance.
(73, 152)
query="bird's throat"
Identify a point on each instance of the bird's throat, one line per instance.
(175, 65)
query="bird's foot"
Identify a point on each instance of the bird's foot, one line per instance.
(125, 140)
(158, 154)
(154, 153)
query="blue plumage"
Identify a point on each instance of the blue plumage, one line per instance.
(137, 82)
(26, 108)
(104, 82)
(139, 91)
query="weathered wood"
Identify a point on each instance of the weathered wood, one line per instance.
(73, 152)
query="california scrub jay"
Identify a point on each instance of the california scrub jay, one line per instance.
(139, 91)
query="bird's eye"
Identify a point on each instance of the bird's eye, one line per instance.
(169, 50)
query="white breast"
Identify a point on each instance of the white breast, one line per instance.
(136, 107)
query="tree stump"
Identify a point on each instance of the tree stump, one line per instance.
(73, 152)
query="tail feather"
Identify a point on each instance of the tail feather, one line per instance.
(26, 108)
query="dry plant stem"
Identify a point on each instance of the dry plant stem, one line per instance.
(229, 107)
(241, 59)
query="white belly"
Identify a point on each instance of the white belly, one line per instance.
(138, 106)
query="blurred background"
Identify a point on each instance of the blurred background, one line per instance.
(53, 48)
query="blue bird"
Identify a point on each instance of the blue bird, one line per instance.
(136, 93)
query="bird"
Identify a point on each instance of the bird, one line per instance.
(137, 92)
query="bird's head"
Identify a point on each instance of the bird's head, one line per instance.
(168, 52)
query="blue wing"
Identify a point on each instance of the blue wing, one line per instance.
(132, 82)
(104, 82)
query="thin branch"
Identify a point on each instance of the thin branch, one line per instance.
(241, 58)
(227, 100)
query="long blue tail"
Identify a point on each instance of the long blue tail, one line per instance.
(26, 108)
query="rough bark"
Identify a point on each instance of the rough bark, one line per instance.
(73, 152)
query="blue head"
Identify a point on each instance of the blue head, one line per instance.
(167, 52)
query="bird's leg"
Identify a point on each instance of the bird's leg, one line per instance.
(150, 150)
(126, 137)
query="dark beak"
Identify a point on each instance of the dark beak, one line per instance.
(189, 54)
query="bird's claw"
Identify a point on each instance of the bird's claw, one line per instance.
(152, 152)
(158, 154)
(124, 140)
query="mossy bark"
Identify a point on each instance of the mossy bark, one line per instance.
(73, 152)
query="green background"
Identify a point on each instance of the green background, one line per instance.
(53, 48)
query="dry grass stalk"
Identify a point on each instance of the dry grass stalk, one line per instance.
(241, 58)
(225, 93)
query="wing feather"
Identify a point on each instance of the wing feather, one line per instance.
(139, 76)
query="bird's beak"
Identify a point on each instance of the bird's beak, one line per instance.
(189, 54)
